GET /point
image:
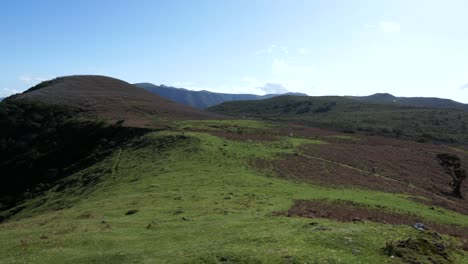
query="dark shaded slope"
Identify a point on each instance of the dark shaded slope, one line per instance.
(110, 99)
(201, 99)
(42, 143)
(430, 102)
(423, 124)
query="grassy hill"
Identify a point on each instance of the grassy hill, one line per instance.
(344, 114)
(110, 99)
(200, 99)
(220, 191)
(62, 125)
(429, 102)
(196, 197)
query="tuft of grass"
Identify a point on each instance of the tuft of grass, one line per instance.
(423, 247)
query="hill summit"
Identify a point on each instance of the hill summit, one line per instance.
(110, 99)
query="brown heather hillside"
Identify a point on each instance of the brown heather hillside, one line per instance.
(111, 99)
(372, 162)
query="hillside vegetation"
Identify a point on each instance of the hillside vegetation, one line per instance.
(430, 102)
(343, 114)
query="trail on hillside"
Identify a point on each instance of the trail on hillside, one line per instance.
(115, 165)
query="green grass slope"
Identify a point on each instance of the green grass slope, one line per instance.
(191, 197)
(423, 124)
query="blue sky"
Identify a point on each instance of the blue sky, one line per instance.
(328, 47)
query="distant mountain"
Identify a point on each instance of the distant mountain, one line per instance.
(202, 99)
(431, 102)
(1, 99)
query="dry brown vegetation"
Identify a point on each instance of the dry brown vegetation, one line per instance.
(347, 211)
(372, 162)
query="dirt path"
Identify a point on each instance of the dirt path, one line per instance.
(115, 165)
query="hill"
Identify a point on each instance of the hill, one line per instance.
(429, 102)
(345, 114)
(245, 191)
(201, 99)
(59, 126)
(110, 99)
(81, 190)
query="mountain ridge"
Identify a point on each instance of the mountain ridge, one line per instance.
(201, 99)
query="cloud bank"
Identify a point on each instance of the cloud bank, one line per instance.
(273, 88)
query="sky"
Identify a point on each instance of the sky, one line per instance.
(317, 47)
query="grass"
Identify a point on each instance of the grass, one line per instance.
(223, 125)
(196, 199)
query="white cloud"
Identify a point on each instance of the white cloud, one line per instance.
(385, 26)
(272, 49)
(273, 88)
(302, 51)
(389, 26)
(25, 79)
(267, 50)
(370, 26)
(28, 79)
(463, 87)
